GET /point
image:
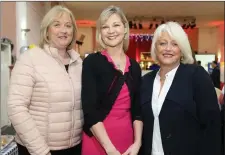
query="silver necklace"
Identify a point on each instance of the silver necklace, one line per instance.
(118, 66)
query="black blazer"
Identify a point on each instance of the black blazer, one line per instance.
(98, 75)
(215, 76)
(190, 116)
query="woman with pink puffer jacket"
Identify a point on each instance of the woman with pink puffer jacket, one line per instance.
(44, 102)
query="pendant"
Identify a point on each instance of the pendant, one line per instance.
(118, 66)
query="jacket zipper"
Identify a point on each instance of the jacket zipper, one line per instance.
(73, 103)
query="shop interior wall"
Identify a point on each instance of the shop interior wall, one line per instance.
(8, 22)
(35, 14)
(202, 39)
(208, 40)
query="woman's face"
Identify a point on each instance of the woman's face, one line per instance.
(60, 32)
(167, 51)
(113, 31)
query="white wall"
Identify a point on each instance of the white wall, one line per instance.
(18, 15)
(8, 22)
(29, 16)
(208, 40)
(21, 24)
(35, 14)
(212, 41)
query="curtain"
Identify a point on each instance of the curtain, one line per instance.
(137, 46)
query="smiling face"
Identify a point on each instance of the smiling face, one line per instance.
(60, 32)
(168, 52)
(113, 31)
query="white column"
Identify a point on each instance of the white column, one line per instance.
(21, 23)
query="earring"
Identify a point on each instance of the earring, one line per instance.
(125, 37)
(125, 32)
(182, 58)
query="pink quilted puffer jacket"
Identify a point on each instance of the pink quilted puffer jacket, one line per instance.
(44, 102)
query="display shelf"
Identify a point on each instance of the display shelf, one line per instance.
(145, 60)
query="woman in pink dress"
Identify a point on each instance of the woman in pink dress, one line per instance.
(110, 91)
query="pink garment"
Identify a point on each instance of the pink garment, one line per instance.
(118, 123)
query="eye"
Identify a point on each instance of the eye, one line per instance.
(162, 43)
(116, 25)
(68, 26)
(56, 25)
(174, 44)
(104, 27)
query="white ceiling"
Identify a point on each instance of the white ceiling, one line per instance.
(205, 12)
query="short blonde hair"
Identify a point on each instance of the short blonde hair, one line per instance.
(103, 18)
(57, 10)
(178, 34)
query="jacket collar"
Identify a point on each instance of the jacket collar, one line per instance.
(54, 53)
(177, 85)
(147, 87)
(172, 94)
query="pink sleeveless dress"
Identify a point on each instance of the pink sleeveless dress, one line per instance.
(118, 123)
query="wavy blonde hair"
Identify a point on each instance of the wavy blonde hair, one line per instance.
(56, 11)
(104, 16)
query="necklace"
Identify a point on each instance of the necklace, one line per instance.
(162, 78)
(118, 66)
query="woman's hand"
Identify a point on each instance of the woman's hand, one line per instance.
(115, 152)
(133, 149)
(49, 153)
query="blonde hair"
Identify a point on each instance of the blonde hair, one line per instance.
(103, 18)
(57, 10)
(178, 34)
